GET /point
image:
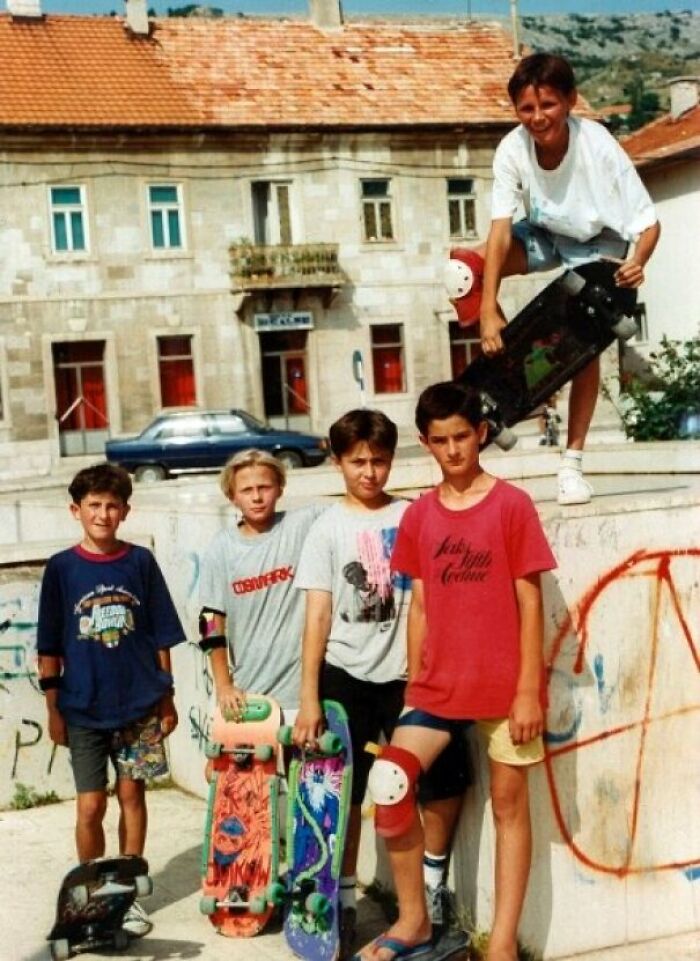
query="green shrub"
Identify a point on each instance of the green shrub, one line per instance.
(26, 797)
(652, 407)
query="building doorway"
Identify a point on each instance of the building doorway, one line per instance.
(285, 383)
(81, 398)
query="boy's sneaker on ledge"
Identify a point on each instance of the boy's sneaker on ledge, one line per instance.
(573, 487)
(441, 906)
(136, 922)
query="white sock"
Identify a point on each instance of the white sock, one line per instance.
(573, 459)
(348, 891)
(434, 867)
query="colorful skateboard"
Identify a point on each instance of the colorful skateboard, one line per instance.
(552, 338)
(92, 902)
(318, 805)
(240, 854)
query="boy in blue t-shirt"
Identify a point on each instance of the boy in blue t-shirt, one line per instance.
(106, 626)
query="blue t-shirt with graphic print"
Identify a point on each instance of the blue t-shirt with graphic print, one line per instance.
(107, 616)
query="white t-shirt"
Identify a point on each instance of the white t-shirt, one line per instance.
(347, 553)
(593, 188)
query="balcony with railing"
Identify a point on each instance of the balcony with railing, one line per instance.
(260, 267)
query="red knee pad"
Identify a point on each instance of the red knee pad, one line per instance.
(464, 281)
(392, 785)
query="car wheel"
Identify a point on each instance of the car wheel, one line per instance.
(290, 458)
(148, 473)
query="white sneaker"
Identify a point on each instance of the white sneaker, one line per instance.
(136, 922)
(573, 487)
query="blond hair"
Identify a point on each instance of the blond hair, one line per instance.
(250, 458)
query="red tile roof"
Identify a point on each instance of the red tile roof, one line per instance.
(91, 72)
(665, 139)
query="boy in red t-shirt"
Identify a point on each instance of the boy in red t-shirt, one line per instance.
(474, 548)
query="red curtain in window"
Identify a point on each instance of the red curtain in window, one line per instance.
(297, 394)
(94, 400)
(177, 383)
(176, 372)
(388, 370)
(80, 387)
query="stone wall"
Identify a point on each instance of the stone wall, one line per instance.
(617, 840)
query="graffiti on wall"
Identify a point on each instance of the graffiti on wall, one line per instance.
(26, 753)
(623, 725)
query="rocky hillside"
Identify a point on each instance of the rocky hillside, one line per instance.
(623, 59)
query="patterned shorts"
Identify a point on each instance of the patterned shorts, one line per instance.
(136, 751)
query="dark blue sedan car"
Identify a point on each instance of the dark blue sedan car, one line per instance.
(200, 440)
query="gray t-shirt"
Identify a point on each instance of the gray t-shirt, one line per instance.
(250, 580)
(347, 553)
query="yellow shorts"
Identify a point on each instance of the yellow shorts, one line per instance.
(500, 747)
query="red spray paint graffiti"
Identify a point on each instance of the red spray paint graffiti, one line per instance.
(625, 712)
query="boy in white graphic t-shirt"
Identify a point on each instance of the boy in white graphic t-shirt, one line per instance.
(354, 648)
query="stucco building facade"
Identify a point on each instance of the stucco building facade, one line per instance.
(235, 212)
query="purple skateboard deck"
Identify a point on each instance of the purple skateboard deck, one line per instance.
(317, 815)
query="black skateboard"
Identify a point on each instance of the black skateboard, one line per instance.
(451, 944)
(92, 902)
(550, 340)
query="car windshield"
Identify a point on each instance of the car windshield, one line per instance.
(170, 427)
(252, 423)
(228, 424)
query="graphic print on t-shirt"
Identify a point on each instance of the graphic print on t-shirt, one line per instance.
(106, 614)
(458, 561)
(371, 578)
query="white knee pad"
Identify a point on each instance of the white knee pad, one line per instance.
(391, 785)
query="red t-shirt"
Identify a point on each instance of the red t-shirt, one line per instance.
(468, 561)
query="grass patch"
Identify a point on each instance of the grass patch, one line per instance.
(26, 797)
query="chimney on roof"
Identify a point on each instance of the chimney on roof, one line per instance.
(137, 17)
(326, 14)
(684, 95)
(24, 8)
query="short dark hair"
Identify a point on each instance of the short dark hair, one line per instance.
(542, 70)
(101, 479)
(362, 424)
(443, 400)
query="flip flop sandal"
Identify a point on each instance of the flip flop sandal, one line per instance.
(403, 951)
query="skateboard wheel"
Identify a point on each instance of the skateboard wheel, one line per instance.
(284, 735)
(263, 752)
(256, 710)
(207, 904)
(572, 282)
(60, 950)
(330, 743)
(121, 939)
(317, 904)
(506, 439)
(80, 896)
(275, 893)
(625, 328)
(143, 885)
(257, 904)
(212, 749)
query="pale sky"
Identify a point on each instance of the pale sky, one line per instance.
(392, 7)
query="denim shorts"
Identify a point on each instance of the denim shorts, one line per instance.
(136, 751)
(546, 250)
